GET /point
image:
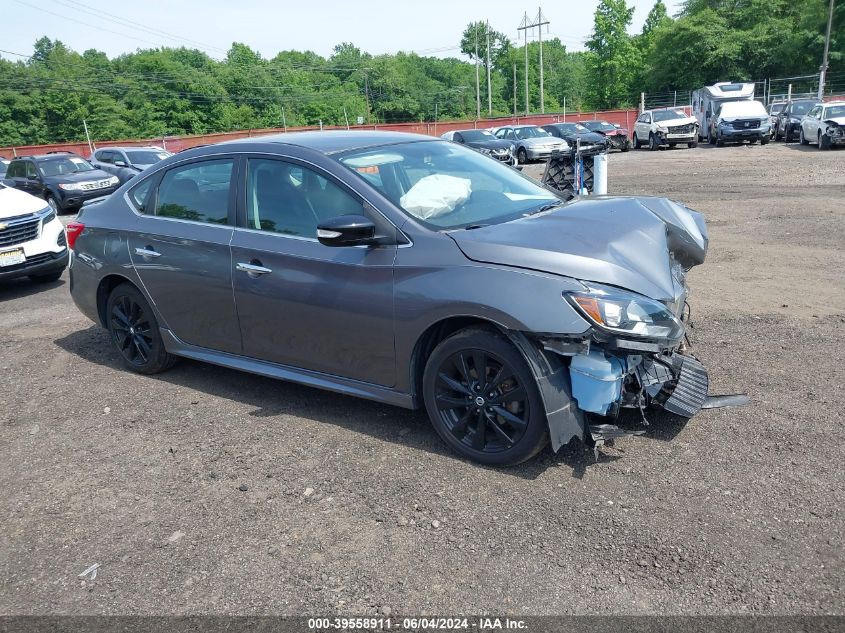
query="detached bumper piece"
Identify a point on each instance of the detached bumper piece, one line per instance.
(690, 391)
(602, 434)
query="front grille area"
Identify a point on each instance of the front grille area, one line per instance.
(35, 260)
(746, 124)
(94, 185)
(682, 129)
(19, 230)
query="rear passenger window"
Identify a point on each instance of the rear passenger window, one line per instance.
(197, 192)
(139, 193)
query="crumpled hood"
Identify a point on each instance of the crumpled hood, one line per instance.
(839, 120)
(619, 241)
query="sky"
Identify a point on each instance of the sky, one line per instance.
(433, 27)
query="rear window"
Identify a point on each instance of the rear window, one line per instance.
(198, 192)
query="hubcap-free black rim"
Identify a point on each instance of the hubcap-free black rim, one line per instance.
(131, 330)
(480, 401)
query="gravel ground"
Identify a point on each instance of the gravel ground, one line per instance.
(204, 490)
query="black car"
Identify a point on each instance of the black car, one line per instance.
(485, 142)
(789, 119)
(575, 132)
(4, 164)
(127, 162)
(616, 135)
(63, 179)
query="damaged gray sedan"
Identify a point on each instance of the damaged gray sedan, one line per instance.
(406, 270)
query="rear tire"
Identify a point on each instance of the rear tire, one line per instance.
(134, 331)
(483, 400)
(692, 145)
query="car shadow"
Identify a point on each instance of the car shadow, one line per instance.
(23, 287)
(813, 147)
(269, 398)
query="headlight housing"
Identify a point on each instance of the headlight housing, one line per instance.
(71, 186)
(47, 216)
(113, 180)
(626, 313)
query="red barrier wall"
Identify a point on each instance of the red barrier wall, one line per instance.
(625, 118)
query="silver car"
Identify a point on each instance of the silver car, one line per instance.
(404, 269)
(531, 142)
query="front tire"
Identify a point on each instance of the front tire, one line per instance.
(692, 145)
(801, 138)
(653, 145)
(521, 156)
(483, 400)
(824, 141)
(134, 331)
(53, 204)
(635, 141)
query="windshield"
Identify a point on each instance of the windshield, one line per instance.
(448, 186)
(742, 108)
(604, 126)
(145, 157)
(529, 132)
(834, 112)
(472, 136)
(775, 108)
(63, 166)
(802, 108)
(668, 115)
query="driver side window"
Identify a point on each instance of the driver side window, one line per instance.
(288, 198)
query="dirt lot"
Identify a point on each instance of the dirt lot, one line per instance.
(205, 490)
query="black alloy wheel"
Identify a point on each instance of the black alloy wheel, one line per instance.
(134, 331)
(483, 400)
(521, 156)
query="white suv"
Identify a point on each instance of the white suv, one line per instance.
(33, 242)
(664, 127)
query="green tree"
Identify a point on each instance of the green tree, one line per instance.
(613, 59)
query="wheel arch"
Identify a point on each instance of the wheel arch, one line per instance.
(104, 289)
(432, 336)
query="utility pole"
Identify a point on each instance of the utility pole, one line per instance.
(539, 22)
(284, 122)
(489, 92)
(367, 94)
(88, 136)
(477, 86)
(514, 89)
(823, 69)
(523, 26)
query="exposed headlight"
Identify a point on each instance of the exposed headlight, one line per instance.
(47, 215)
(113, 180)
(626, 313)
(484, 150)
(662, 129)
(71, 186)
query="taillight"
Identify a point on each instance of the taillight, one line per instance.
(74, 230)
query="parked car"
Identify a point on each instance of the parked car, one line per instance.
(4, 165)
(62, 179)
(530, 142)
(573, 133)
(127, 162)
(403, 269)
(484, 141)
(616, 135)
(774, 110)
(32, 239)
(663, 127)
(824, 125)
(789, 119)
(739, 121)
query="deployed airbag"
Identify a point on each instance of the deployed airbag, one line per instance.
(436, 195)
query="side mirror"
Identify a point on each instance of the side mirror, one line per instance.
(119, 163)
(346, 230)
(32, 177)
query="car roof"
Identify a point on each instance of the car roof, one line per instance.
(472, 129)
(833, 103)
(47, 156)
(129, 147)
(335, 141)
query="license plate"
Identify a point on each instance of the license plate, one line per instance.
(10, 258)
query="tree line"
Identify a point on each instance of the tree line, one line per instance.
(174, 91)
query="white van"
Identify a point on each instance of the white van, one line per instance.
(706, 101)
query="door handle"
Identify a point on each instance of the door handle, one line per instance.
(253, 270)
(147, 252)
